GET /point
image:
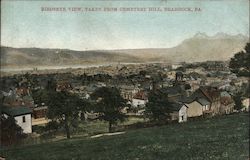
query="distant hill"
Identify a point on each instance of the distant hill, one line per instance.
(56, 57)
(218, 47)
(198, 48)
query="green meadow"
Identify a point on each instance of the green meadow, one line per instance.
(225, 137)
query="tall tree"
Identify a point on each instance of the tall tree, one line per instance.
(237, 100)
(240, 63)
(158, 106)
(109, 104)
(64, 108)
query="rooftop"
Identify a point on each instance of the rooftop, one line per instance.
(16, 111)
(176, 106)
(203, 101)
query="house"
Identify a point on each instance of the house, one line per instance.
(179, 112)
(215, 101)
(14, 98)
(40, 111)
(196, 106)
(210, 94)
(11, 98)
(22, 91)
(39, 116)
(246, 104)
(140, 99)
(91, 115)
(205, 104)
(128, 91)
(21, 114)
(175, 66)
(63, 86)
(171, 74)
(194, 109)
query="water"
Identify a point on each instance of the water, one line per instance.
(23, 69)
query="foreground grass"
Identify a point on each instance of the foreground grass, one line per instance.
(225, 137)
(96, 127)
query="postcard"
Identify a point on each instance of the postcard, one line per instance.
(124, 79)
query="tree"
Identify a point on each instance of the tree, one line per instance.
(109, 104)
(65, 108)
(158, 106)
(143, 73)
(52, 126)
(237, 100)
(187, 86)
(40, 96)
(240, 63)
(51, 85)
(181, 69)
(11, 133)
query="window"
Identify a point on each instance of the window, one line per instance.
(24, 120)
(182, 118)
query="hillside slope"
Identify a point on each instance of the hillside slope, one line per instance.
(224, 137)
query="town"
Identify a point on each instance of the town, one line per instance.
(169, 93)
(124, 80)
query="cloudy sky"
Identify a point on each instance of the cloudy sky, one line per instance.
(23, 24)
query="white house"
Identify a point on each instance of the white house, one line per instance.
(140, 99)
(175, 66)
(246, 104)
(183, 114)
(179, 112)
(138, 102)
(21, 114)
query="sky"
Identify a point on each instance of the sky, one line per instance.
(23, 24)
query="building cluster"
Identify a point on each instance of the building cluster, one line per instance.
(194, 90)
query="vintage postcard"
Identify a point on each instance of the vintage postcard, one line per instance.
(124, 80)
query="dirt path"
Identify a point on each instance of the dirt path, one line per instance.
(107, 134)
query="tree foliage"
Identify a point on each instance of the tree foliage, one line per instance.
(237, 100)
(240, 63)
(158, 106)
(65, 108)
(109, 104)
(40, 96)
(11, 133)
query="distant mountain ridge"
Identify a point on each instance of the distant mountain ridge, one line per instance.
(200, 47)
(53, 57)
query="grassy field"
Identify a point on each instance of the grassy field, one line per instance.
(85, 129)
(225, 137)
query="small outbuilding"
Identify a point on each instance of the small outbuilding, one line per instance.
(21, 114)
(179, 112)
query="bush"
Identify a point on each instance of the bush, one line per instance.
(38, 129)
